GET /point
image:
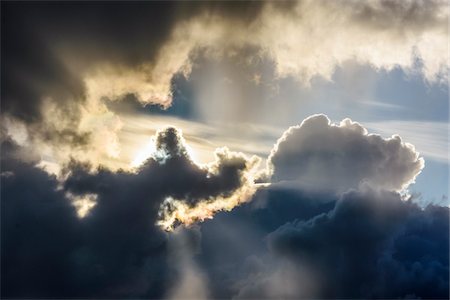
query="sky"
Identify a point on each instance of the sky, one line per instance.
(218, 149)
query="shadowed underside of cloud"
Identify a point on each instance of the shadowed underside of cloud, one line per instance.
(372, 244)
(322, 155)
(47, 251)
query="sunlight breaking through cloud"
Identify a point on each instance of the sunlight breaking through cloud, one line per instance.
(174, 212)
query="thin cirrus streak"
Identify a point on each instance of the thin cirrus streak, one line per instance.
(429, 138)
(202, 138)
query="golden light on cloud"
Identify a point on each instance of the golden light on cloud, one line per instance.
(83, 204)
(174, 212)
(311, 46)
(113, 81)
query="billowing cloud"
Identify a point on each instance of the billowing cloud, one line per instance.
(363, 248)
(430, 138)
(105, 223)
(54, 90)
(320, 35)
(187, 192)
(89, 37)
(323, 155)
(301, 244)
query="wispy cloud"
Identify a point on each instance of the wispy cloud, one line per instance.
(382, 105)
(429, 138)
(202, 138)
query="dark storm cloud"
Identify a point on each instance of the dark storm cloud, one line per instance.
(233, 244)
(371, 245)
(32, 72)
(48, 252)
(298, 244)
(327, 156)
(129, 33)
(47, 47)
(116, 250)
(171, 172)
(38, 229)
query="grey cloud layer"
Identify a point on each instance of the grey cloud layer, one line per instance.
(322, 155)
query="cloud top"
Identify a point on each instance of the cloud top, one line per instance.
(340, 156)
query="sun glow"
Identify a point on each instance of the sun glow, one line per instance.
(144, 154)
(150, 151)
(174, 212)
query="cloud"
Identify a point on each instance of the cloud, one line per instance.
(97, 231)
(110, 246)
(323, 155)
(121, 42)
(228, 86)
(81, 54)
(363, 248)
(48, 251)
(233, 243)
(300, 244)
(187, 192)
(192, 284)
(58, 89)
(297, 243)
(319, 36)
(281, 241)
(430, 138)
(232, 175)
